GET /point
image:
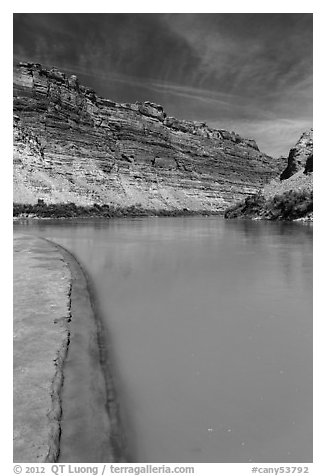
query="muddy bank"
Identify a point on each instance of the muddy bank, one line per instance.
(91, 430)
(64, 401)
(41, 328)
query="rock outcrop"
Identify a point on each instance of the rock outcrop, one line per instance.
(299, 156)
(288, 197)
(71, 145)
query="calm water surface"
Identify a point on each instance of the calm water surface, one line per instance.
(210, 332)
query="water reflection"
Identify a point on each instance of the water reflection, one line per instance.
(210, 330)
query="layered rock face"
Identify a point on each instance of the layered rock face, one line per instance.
(300, 156)
(298, 173)
(289, 197)
(70, 145)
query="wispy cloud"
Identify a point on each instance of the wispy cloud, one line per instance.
(274, 136)
(223, 68)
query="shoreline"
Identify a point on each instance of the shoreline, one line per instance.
(71, 342)
(42, 287)
(81, 279)
(42, 210)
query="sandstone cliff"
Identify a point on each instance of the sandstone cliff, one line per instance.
(70, 145)
(300, 156)
(288, 197)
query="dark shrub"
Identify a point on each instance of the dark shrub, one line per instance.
(287, 206)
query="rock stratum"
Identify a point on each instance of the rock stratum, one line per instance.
(71, 145)
(288, 197)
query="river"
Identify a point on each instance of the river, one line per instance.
(210, 332)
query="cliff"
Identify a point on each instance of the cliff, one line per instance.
(288, 197)
(300, 156)
(71, 145)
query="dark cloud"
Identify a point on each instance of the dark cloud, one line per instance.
(249, 72)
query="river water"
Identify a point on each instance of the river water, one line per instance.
(210, 332)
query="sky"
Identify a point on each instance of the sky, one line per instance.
(247, 72)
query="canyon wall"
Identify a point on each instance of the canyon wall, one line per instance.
(71, 145)
(300, 156)
(288, 197)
